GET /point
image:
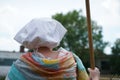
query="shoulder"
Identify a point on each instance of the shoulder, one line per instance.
(64, 52)
(27, 54)
(61, 49)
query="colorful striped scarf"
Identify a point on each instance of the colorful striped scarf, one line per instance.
(32, 67)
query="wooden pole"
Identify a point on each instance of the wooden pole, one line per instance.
(92, 61)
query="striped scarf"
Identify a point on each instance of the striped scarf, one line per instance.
(32, 67)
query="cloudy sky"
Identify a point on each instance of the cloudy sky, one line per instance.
(14, 14)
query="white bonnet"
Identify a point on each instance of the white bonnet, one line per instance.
(40, 32)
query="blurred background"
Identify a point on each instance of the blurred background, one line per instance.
(105, 15)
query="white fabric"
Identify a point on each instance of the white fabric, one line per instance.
(41, 32)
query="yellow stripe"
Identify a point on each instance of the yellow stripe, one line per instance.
(47, 61)
(82, 75)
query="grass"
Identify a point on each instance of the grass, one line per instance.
(2, 78)
(110, 77)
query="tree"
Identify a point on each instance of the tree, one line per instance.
(115, 57)
(116, 48)
(76, 39)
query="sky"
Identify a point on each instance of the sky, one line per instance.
(14, 14)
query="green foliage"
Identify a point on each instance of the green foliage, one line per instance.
(115, 58)
(76, 39)
(116, 48)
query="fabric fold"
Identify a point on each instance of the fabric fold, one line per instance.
(33, 67)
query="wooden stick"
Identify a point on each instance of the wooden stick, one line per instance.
(92, 61)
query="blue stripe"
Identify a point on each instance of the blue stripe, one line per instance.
(50, 66)
(79, 62)
(14, 74)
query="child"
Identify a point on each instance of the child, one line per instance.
(42, 35)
